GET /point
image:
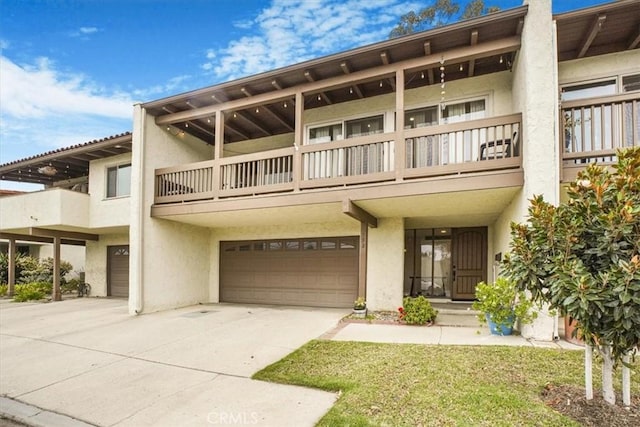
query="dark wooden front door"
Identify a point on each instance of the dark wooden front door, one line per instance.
(469, 263)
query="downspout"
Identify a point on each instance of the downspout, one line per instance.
(140, 212)
(556, 131)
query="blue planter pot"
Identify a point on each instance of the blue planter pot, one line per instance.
(502, 329)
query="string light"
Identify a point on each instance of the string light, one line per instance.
(461, 67)
(285, 104)
(422, 75)
(501, 59)
(257, 110)
(380, 83)
(442, 83)
(319, 97)
(351, 90)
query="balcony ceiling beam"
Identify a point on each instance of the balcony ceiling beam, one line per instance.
(72, 235)
(427, 52)
(634, 40)
(465, 53)
(386, 60)
(308, 74)
(356, 212)
(39, 239)
(591, 34)
(268, 110)
(347, 70)
(472, 62)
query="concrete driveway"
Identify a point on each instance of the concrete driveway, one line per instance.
(90, 360)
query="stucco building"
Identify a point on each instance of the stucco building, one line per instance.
(389, 170)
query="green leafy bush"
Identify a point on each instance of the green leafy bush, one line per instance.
(3, 290)
(31, 291)
(503, 303)
(417, 311)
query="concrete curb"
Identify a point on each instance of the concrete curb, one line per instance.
(37, 417)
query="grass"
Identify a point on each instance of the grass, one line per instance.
(411, 385)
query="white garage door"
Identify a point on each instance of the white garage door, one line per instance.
(317, 272)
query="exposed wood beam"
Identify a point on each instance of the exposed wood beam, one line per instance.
(345, 69)
(357, 213)
(269, 111)
(260, 126)
(634, 40)
(275, 83)
(520, 26)
(427, 52)
(39, 239)
(72, 181)
(386, 60)
(235, 130)
(596, 26)
(465, 53)
(37, 231)
(311, 79)
(473, 42)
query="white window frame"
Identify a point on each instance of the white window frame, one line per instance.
(343, 122)
(116, 166)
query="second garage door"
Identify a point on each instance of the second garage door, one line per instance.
(320, 272)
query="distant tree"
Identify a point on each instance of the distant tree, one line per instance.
(441, 12)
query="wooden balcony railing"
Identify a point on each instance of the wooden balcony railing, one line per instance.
(593, 129)
(472, 146)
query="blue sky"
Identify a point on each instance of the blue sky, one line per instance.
(71, 70)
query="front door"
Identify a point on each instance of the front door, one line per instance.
(469, 261)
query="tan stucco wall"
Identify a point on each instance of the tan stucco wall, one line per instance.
(385, 265)
(96, 261)
(168, 261)
(70, 253)
(46, 208)
(594, 68)
(259, 144)
(107, 212)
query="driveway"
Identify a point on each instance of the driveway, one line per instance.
(88, 359)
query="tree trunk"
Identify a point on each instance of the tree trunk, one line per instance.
(608, 394)
(626, 381)
(588, 371)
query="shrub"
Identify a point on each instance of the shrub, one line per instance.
(31, 291)
(70, 287)
(417, 311)
(3, 290)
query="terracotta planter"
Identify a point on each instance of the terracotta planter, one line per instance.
(570, 325)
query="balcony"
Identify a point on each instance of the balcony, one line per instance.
(55, 207)
(431, 151)
(594, 129)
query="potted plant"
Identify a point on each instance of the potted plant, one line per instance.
(360, 308)
(501, 305)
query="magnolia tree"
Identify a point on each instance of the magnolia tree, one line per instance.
(583, 259)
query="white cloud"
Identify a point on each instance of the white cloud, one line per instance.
(42, 109)
(291, 31)
(88, 30)
(40, 90)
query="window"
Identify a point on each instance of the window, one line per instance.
(421, 117)
(348, 129)
(119, 181)
(631, 83)
(366, 126)
(589, 90)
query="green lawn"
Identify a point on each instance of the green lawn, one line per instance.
(407, 384)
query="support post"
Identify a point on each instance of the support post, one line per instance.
(298, 141)
(56, 294)
(12, 267)
(362, 259)
(400, 160)
(218, 153)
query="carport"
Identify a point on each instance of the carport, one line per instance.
(43, 235)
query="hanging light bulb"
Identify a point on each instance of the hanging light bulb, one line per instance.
(350, 90)
(186, 125)
(285, 104)
(257, 109)
(319, 97)
(422, 75)
(235, 115)
(380, 83)
(501, 59)
(461, 67)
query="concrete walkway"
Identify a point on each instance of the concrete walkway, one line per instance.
(87, 362)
